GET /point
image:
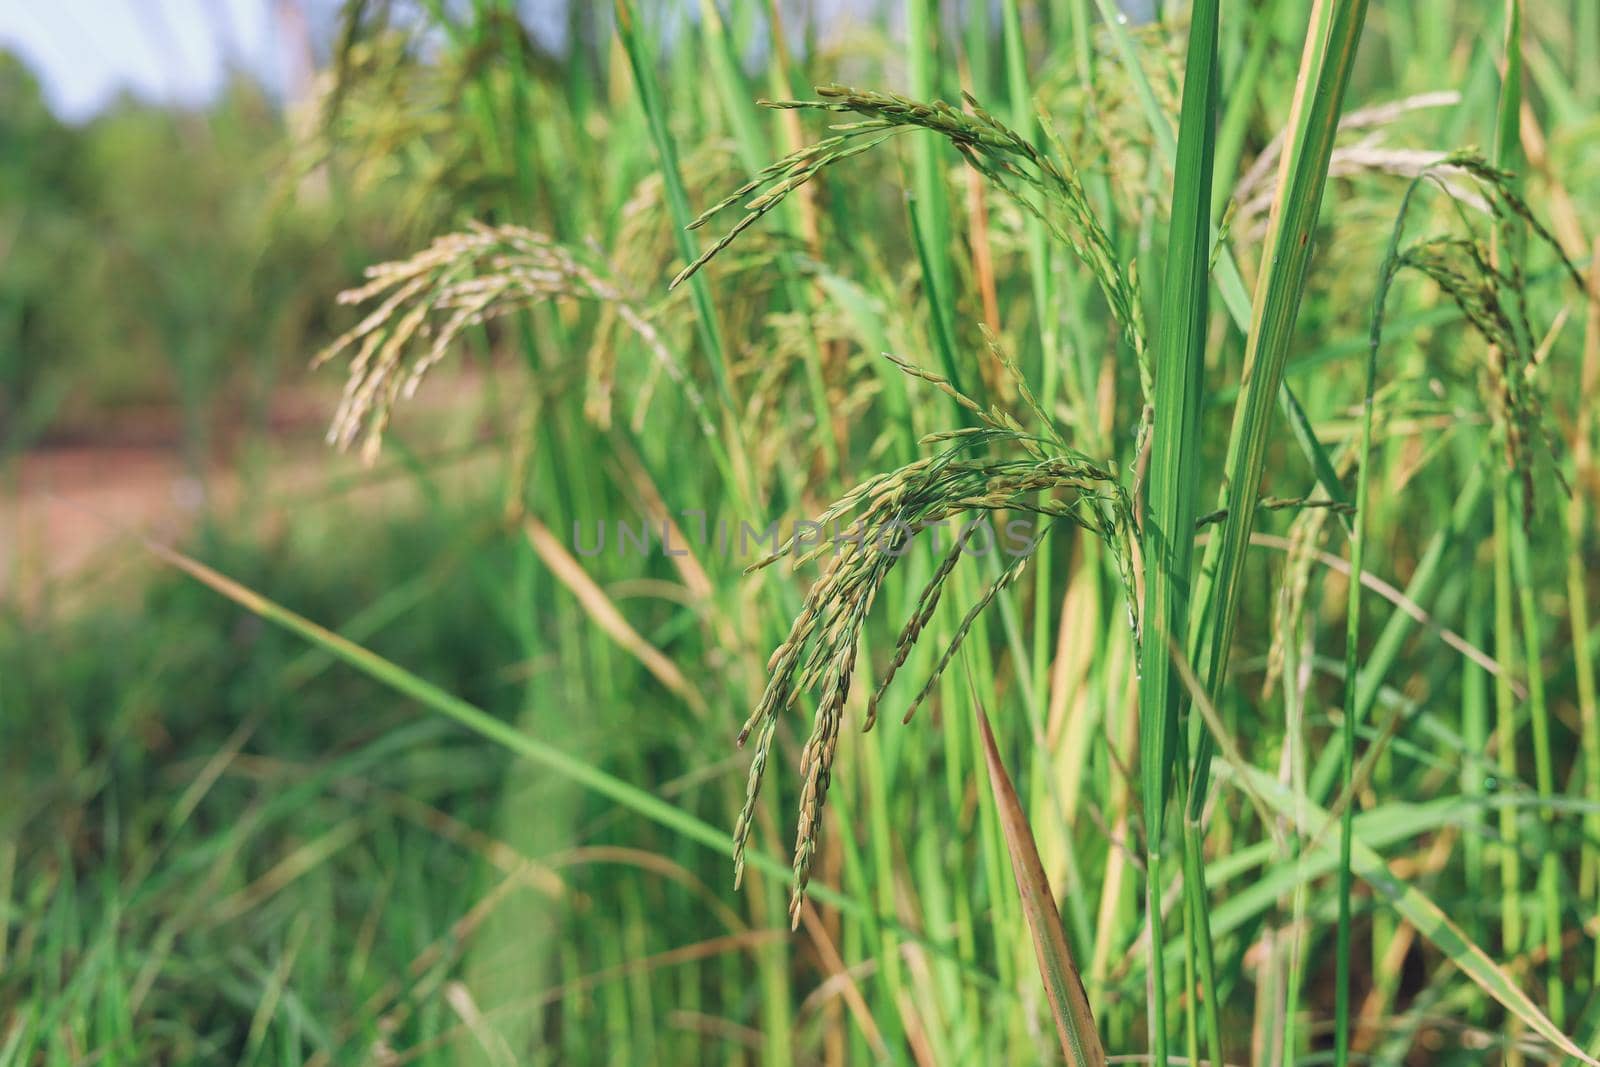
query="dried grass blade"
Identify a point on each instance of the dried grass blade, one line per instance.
(1069, 1003)
(570, 573)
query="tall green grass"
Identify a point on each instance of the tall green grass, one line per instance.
(1297, 711)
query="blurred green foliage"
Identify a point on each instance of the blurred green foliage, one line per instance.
(154, 256)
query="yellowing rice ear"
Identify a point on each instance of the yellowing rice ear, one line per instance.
(424, 305)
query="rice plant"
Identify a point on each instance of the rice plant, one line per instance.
(1178, 440)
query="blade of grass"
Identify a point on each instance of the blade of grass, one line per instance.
(1069, 1004)
(1025, 121)
(1230, 283)
(1279, 290)
(639, 60)
(1352, 637)
(738, 107)
(930, 220)
(1232, 289)
(1577, 604)
(1180, 359)
(1506, 248)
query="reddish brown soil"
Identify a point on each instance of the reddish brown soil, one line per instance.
(72, 509)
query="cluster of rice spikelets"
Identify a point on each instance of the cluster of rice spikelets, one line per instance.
(890, 510)
(424, 303)
(1052, 480)
(384, 108)
(1047, 189)
(1491, 292)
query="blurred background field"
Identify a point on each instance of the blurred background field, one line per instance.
(221, 842)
